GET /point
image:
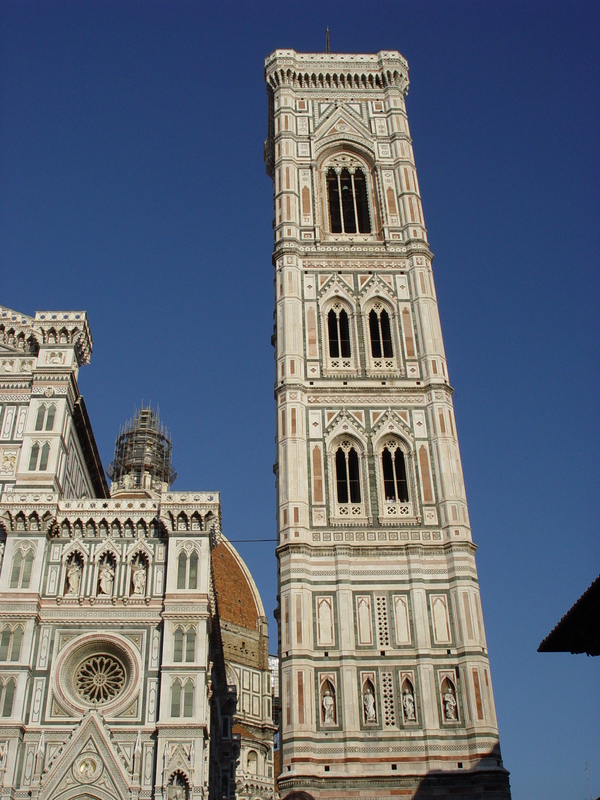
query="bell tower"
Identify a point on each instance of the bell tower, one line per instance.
(384, 672)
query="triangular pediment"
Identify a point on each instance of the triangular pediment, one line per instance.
(390, 423)
(341, 121)
(345, 424)
(336, 289)
(376, 286)
(87, 766)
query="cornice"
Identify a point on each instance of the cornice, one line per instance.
(332, 550)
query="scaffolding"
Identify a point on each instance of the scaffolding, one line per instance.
(142, 454)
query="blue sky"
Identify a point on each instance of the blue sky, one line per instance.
(132, 186)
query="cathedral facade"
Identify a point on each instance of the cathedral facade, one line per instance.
(384, 674)
(126, 667)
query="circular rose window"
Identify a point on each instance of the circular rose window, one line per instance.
(100, 679)
(97, 670)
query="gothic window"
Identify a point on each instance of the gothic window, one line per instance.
(7, 696)
(33, 457)
(338, 330)
(176, 699)
(20, 574)
(348, 487)
(187, 571)
(395, 485)
(38, 458)
(45, 452)
(395, 477)
(10, 644)
(181, 570)
(188, 698)
(193, 573)
(178, 638)
(347, 474)
(347, 201)
(45, 417)
(190, 645)
(182, 698)
(184, 645)
(380, 333)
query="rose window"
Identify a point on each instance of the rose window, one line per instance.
(100, 679)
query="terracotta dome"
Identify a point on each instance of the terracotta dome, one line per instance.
(238, 600)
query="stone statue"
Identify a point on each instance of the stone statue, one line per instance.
(449, 704)
(139, 578)
(177, 789)
(107, 578)
(369, 704)
(73, 578)
(328, 706)
(408, 704)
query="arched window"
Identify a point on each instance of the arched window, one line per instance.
(178, 645)
(395, 485)
(50, 417)
(8, 698)
(188, 698)
(193, 574)
(190, 645)
(38, 458)
(20, 574)
(10, 644)
(33, 458)
(347, 201)
(184, 645)
(39, 420)
(187, 571)
(176, 699)
(347, 474)
(338, 329)
(181, 570)
(45, 417)
(380, 333)
(44, 457)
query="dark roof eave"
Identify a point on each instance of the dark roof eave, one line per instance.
(85, 434)
(579, 630)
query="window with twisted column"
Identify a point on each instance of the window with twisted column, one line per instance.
(395, 477)
(347, 197)
(382, 335)
(348, 489)
(339, 335)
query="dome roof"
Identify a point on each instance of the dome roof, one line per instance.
(238, 600)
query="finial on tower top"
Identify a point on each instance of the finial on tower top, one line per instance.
(327, 38)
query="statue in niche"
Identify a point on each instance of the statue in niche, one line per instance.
(369, 710)
(106, 580)
(74, 571)
(408, 704)
(449, 698)
(328, 703)
(139, 577)
(177, 788)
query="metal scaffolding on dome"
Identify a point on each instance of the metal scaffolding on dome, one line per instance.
(142, 454)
